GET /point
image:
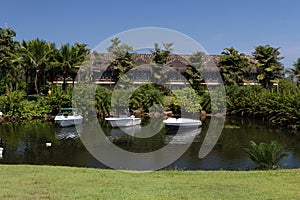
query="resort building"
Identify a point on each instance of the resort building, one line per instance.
(104, 71)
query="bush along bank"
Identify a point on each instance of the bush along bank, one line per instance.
(278, 105)
(15, 106)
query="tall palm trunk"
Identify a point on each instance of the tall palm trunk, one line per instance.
(64, 85)
(36, 85)
(26, 80)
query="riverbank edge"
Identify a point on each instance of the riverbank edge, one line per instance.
(60, 182)
(203, 115)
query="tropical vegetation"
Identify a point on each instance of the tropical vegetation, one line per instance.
(278, 105)
(294, 73)
(37, 78)
(234, 67)
(268, 63)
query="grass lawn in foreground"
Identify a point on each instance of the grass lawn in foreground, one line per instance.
(51, 182)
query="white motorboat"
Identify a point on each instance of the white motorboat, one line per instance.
(123, 121)
(182, 123)
(68, 117)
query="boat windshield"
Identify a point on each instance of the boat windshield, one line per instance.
(67, 112)
(69, 109)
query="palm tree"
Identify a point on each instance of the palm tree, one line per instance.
(294, 73)
(194, 73)
(15, 73)
(122, 58)
(160, 61)
(67, 57)
(161, 55)
(269, 65)
(297, 66)
(36, 55)
(24, 58)
(233, 66)
(9, 71)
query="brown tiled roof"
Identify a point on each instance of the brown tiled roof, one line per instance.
(140, 59)
(174, 60)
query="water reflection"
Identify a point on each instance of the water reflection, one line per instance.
(71, 132)
(1, 153)
(25, 143)
(121, 132)
(1, 149)
(185, 136)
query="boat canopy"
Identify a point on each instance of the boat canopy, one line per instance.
(68, 109)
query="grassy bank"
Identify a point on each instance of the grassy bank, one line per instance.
(46, 182)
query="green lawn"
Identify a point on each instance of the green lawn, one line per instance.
(48, 182)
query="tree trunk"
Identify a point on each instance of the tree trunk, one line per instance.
(27, 89)
(64, 82)
(36, 82)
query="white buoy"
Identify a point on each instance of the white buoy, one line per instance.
(48, 144)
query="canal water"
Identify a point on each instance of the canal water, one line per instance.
(43, 143)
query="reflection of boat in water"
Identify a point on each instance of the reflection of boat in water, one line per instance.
(123, 121)
(68, 117)
(125, 131)
(183, 136)
(1, 149)
(175, 123)
(71, 132)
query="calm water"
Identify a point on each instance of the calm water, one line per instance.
(25, 143)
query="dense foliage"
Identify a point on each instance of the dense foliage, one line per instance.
(294, 73)
(234, 66)
(269, 65)
(9, 70)
(279, 105)
(35, 63)
(28, 71)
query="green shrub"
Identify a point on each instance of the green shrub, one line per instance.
(57, 99)
(11, 102)
(279, 105)
(14, 106)
(266, 155)
(188, 100)
(102, 101)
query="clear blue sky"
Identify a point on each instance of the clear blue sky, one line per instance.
(214, 24)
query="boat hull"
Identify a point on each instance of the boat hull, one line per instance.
(174, 123)
(65, 121)
(123, 122)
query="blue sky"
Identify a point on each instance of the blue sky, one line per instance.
(213, 24)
